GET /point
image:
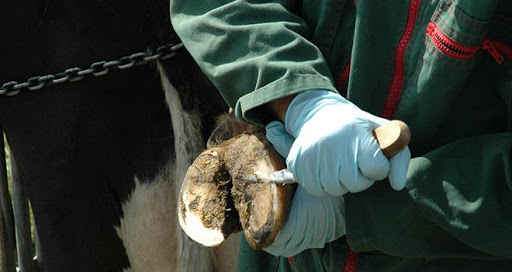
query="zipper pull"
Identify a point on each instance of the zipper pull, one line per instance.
(487, 45)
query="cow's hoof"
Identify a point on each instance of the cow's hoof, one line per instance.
(262, 207)
(206, 211)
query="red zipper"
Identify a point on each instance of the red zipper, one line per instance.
(351, 261)
(398, 78)
(448, 46)
(458, 51)
(497, 50)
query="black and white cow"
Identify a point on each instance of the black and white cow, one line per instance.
(103, 158)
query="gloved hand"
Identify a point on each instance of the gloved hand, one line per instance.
(313, 221)
(334, 151)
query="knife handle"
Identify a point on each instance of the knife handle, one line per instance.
(392, 137)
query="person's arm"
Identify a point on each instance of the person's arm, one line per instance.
(258, 53)
(254, 52)
(280, 106)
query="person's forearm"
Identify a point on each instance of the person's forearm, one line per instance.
(278, 59)
(279, 107)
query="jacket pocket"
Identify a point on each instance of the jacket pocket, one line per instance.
(456, 33)
(448, 46)
(497, 49)
(449, 86)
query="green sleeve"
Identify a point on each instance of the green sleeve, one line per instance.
(457, 204)
(253, 51)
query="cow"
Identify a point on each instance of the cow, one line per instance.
(102, 158)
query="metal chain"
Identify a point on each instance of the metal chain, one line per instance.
(99, 68)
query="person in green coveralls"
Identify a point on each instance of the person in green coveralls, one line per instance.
(322, 74)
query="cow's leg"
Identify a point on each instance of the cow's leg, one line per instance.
(189, 142)
(191, 122)
(66, 187)
(226, 255)
(208, 105)
(78, 148)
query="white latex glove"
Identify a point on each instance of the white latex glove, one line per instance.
(313, 220)
(334, 151)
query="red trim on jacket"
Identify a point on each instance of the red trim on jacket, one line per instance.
(291, 262)
(351, 261)
(398, 77)
(342, 79)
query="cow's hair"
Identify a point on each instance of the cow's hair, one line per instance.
(188, 144)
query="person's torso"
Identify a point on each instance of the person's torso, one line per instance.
(433, 64)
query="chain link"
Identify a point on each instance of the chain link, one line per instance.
(99, 68)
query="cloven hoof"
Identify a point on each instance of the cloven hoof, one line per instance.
(213, 203)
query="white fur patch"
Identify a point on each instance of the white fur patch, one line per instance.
(148, 226)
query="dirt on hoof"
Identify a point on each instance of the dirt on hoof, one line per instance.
(262, 207)
(214, 203)
(206, 210)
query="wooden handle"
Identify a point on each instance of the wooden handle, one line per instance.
(392, 137)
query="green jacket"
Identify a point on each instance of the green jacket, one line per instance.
(433, 64)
